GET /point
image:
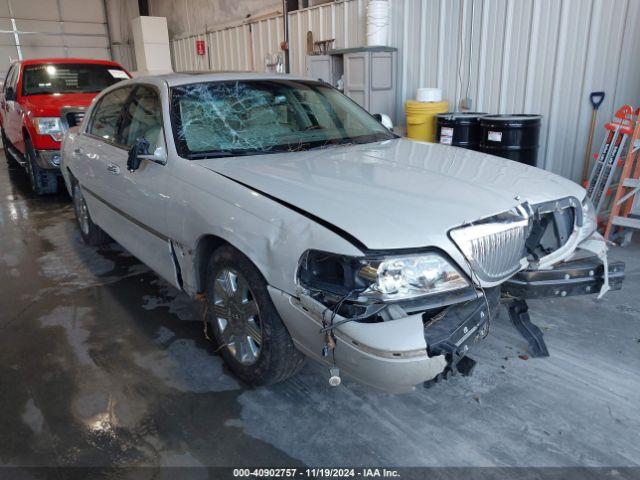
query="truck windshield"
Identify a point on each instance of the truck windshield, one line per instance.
(252, 117)
(69, 78)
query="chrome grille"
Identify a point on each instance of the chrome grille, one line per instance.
(495, 247)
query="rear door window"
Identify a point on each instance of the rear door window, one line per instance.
(106, 116)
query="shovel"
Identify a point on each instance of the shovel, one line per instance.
(596, 99)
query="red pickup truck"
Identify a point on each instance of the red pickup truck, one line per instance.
(40, 100)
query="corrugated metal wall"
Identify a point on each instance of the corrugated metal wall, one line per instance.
(342, 21)
(240, 47)
(184, 56)
(231, 48)
(512, 56)
(530, 56)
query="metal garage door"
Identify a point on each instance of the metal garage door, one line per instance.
(52, 28)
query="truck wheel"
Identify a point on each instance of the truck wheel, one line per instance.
(42, 181)
(245, 324)
(91, 233)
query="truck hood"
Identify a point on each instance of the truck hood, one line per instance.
(396, 193)
(50, 105)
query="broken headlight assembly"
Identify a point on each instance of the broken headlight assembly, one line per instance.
(379, 278)
(589, 220)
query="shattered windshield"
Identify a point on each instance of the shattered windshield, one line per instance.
(266, 116)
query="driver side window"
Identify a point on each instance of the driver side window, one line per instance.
(142, 118)
(106, 116)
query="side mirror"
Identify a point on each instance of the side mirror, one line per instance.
(9, 94)
(385, 120)
(140, 151)
(158, 156)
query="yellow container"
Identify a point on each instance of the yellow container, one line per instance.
(421, 118)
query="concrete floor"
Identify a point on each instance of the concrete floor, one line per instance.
(102, 363)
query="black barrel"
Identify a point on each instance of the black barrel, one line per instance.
(461, 129)
(511, 136)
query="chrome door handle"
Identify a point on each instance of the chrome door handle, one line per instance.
(113, 169)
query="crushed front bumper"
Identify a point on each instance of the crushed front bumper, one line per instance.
(395, 355)
(587, 271)
(576, 277)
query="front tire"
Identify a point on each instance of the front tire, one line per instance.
(246, 326)
(91, 233)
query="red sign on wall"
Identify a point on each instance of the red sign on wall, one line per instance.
(200, 48)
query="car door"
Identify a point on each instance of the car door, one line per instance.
(97, 155)
(142, 194)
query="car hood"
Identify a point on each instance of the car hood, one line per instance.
(50, 105)
(397, 193)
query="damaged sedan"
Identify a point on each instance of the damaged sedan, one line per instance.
(310, 229)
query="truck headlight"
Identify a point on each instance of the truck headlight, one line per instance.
(589, 220)
(380, 278)
(49, 126)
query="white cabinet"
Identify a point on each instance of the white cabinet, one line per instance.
(369, 75)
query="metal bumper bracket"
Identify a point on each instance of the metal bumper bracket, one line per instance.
(577, 277)
(519, 315)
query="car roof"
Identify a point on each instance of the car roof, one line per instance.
(185, 78)
(40, 61)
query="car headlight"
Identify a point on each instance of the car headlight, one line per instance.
(49, 126)
(410, 276)
(384, 278)
(589, 220)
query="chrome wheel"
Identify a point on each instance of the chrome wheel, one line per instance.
(82, 213)
(236, 316)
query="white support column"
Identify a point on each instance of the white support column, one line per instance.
(151, 41)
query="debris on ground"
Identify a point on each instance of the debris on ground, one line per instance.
(523, 357)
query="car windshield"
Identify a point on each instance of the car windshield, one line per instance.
(252, 117)
(69, 78)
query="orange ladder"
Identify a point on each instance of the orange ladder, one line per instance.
(621, 222)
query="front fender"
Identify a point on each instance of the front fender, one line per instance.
(271, 235)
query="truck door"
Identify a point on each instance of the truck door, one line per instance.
(11, 121)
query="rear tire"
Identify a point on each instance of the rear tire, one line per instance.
(43, 182)
(91, 233)
(245, 324)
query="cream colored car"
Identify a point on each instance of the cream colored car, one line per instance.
(313, 230)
